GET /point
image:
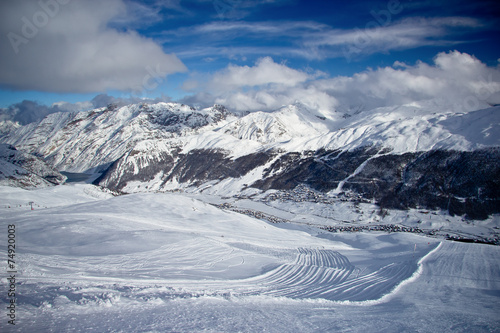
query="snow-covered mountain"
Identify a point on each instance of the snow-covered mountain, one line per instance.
(405, 156)
(8, 126)
(24, 170)
(91, 140)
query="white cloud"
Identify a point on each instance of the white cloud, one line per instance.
(256, 28)
(272, 99)
(313, 40)
(265, 71)
(68, 46)
(265, 86)
(459, 78)
(374, 37)
(460, 81)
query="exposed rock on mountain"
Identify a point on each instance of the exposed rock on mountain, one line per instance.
(459, 182)
(399, 157)
(24, 170)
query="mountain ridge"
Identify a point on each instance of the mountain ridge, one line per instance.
(19, 169)
(384, 154)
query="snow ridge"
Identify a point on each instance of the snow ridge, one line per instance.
(89, 140)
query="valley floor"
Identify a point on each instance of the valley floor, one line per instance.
(86, 261)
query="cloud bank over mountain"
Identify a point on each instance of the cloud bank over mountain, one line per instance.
(28, 111)
(459, 81)
(458, 78)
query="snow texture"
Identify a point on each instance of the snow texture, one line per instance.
(91, 262)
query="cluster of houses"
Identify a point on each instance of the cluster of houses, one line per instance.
(253, 213)
(302, 193)
(381, 227)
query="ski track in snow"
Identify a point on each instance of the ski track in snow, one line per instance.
(167, 262)
(147, 246)
(360, 168)
(324, 274)
(315, 274)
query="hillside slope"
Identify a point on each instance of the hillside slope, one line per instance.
(165, 262)
(24, 170)
(418, 155)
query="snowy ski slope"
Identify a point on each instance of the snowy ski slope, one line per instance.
(90, 262)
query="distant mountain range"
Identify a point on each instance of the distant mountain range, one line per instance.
(415, 155)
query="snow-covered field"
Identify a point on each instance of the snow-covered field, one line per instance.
(90, 262)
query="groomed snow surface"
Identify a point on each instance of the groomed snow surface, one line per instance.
(91, 262)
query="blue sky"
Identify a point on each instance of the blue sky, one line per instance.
(202, 51)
